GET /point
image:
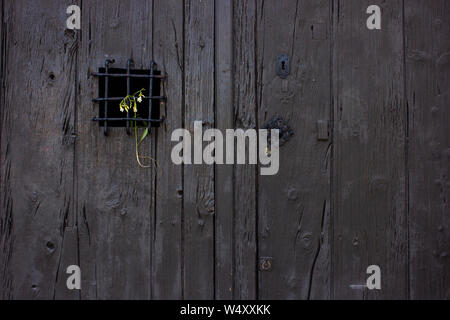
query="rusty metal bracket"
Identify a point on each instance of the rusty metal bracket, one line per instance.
(286, 132)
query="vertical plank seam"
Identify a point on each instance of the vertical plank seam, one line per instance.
(153, 177)
(215, 165)
(406, 132)
(333, 98)
(2, 81)
(316, 256)
(255, 39)
(233, 178)
(3, 286)
(183, 119)
(75, 132)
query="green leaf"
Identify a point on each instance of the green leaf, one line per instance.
(144, 135)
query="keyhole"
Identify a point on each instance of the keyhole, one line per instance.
(283, 66)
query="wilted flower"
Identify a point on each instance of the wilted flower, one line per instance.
(141, 96)
(131, 101)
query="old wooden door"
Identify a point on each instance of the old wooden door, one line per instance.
(363, 181)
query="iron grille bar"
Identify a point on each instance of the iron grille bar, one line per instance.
(125, 75)
(128, 92)
(121, 98)
(128, 75)
(152, 70)
(130, 119)
(105, 127)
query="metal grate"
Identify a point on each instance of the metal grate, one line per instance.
(279, 123)
(129, 75)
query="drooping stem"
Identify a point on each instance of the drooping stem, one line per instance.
(137, 147)
(137, 144)
(130, 102)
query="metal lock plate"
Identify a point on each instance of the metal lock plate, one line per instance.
(283, 66)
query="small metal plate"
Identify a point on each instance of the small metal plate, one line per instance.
(283, 66)
(266, 264)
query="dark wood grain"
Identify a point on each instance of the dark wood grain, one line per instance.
(224, 115)
(199, 206)
(114, 194)
(2, 66)
(39, 67)
(168, 52)
(427, 27)
(5, 227)
(369, 194)
(294, 204)
(245, 212)
(363, 181)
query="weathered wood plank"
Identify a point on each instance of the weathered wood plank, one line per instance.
(245, 213)
(427, 28)
(294, 204)
(5, 221)
(168, 53)
(199, 207)
(114, 193)
(224, 174)
(37, 151)
(2, 83)
(2, 62)
(69, 195)
(69, 256)
(369, 213)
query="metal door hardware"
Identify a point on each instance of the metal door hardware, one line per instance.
(266, 263)
(283, 66)
(129, 76)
